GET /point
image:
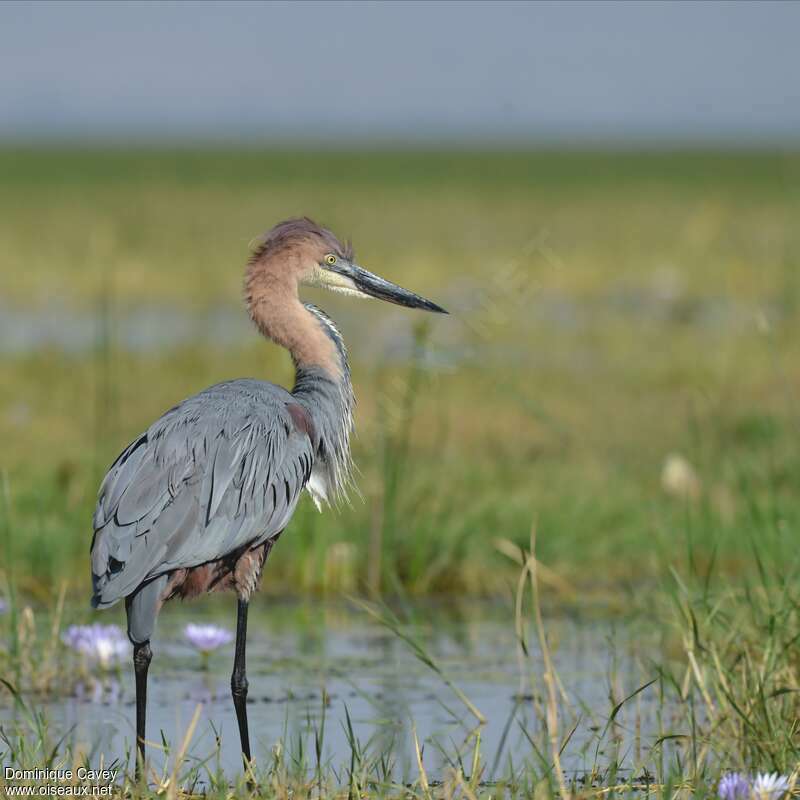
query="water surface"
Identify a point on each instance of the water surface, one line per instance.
(311, 666)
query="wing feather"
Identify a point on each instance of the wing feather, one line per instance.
(222, 470)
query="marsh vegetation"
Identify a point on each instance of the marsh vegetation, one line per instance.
(619, 371)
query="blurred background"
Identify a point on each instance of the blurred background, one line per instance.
(604, 195)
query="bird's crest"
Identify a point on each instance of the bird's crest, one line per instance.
(294, 231)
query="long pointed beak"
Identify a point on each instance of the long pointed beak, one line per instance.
(375, 286)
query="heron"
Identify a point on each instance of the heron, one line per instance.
(196, 502)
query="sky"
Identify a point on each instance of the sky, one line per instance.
(402, 71)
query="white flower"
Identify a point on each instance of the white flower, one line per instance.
(679, 478)
(770, 786)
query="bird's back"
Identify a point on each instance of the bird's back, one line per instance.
(221, 471)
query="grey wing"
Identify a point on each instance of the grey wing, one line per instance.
(222, 470)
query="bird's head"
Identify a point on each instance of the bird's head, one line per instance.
(308, 254)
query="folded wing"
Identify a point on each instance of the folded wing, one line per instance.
(222, 470)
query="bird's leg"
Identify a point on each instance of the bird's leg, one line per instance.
(239, 680)
(141, 661)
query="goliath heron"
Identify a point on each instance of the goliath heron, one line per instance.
(196, 502)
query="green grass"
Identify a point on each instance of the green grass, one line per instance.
(608, 309)
(721, 664)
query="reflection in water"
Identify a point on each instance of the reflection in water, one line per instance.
(306, 664)
(103, 689)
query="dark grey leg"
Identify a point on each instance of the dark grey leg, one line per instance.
(239, 680)
(141, 661)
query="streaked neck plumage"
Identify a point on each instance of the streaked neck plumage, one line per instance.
(322, 375)
(330, 402)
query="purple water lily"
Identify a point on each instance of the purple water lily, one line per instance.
(206, 638)
(764, 786)
(734, 786)
(105, 644)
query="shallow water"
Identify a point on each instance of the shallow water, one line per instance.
(313, 661)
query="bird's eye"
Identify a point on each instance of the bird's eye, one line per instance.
(330, 259)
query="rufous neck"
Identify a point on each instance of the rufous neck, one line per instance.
(281, 317)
